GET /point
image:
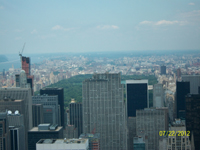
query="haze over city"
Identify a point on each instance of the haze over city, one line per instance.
(96, 26)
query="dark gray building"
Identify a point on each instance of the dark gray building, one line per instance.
(50, 107)
(37, 114)
(60, 93)
(163, 70)
(76, 116)
(137, 96)
(104, 110)
(43, 132)
(4, 132)
(194, 82)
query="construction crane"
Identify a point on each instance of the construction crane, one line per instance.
(20, 54)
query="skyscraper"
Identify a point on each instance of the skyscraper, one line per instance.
(38, 117)
(158, 95)
(50, 107)
(60, 93)
(163, 70)
(20, 94)
(137, 96)
(182, 89)
(76, 116)
(104, 110)
(152, 120)
(26, 65)
(194, 82)
(4, 133)
(192, 102)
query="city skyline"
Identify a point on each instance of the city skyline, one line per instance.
(91, 26)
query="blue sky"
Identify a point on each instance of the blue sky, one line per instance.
(49, 26)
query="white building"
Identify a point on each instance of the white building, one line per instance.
(62, 144)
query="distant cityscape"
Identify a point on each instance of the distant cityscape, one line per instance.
(114, 114)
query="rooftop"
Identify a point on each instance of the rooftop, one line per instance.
(62, 141)
(35, 129)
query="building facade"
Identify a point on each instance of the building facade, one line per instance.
(194, 82)
(50, 107)
(163, 70)
(182, 89)
(104, 110)
(60, 93)
(152, 120)
(76, 116)
(137, 96)
(38, 117)
(158, 95)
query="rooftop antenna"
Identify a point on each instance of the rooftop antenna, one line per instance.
(20, 54)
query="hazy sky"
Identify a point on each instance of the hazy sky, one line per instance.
(98, 25)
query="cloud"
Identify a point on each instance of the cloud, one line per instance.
(58, 27)
(18, 38)
(103, 27)
(191, 4)
(1, 7)
(34, 31)
(162, 22)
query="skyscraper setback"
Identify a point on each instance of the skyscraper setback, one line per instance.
(104, 110)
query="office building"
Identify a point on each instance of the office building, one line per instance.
(182, 89)
(17, 130)
(179, 72)
(158, 95)
(137, 96)
(43, 131)
(62, 144)
(38, 117)
(94, 140)
(4, 132)
(104, 110)
(193, 117)
(70, 132)
(152, 120)
(163, 70)
(60, 93)
(180, 140)
(131, 123)
(194, 82)
(76, 116)
(138, 143)
(50, 107)
(20, 94)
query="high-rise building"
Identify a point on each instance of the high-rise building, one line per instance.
(192, 102)
(60, 93)
(137, 96)
(163, 70)
(194, 82)
(20, 94)
(38, 117)
(50, 107)
(4, 132)
(182, 89)
(179, 140)
(26, 65)
(76, 116)
(131, 123)
(152, 121)
(94, 140)
(158, 95)
(70, 132)
(17, 130)
(179, 72)
(43, 131)
(62, 144)
(138, 143)
(104, 110)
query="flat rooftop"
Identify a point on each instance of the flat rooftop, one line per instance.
(35, 129)
(62, 141)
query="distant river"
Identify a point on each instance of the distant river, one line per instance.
(14, 59)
